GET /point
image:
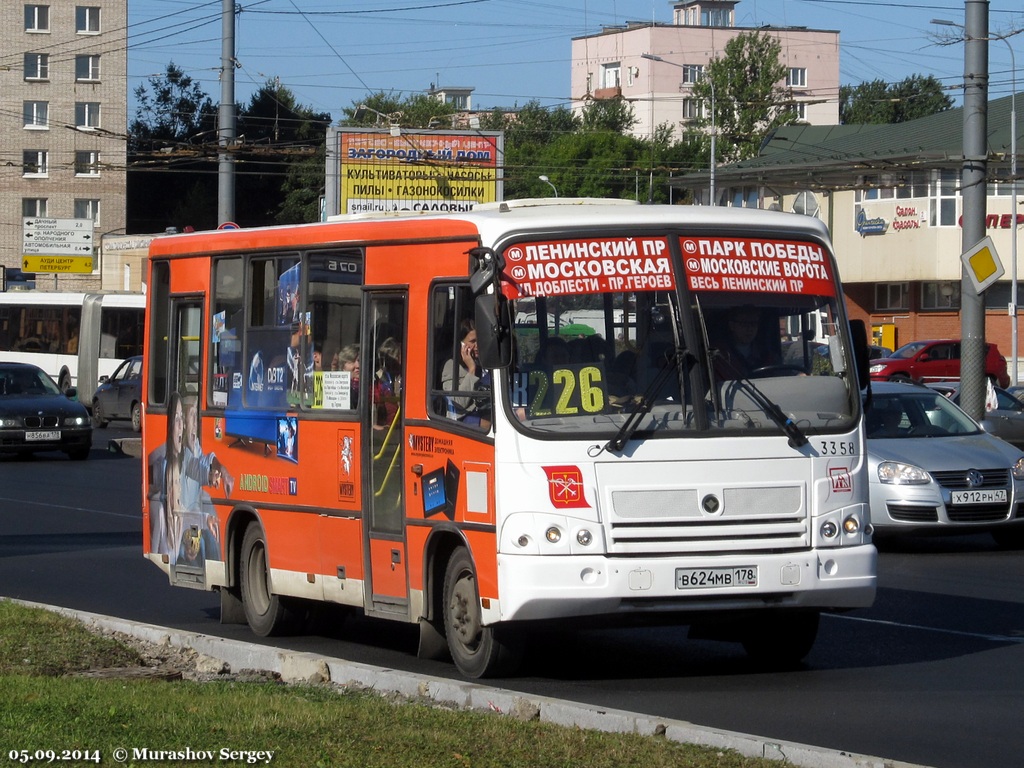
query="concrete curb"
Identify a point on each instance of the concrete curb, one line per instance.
(300, 667)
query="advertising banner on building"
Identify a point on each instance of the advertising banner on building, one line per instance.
(411, 170)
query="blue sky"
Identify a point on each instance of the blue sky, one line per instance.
(331, 53)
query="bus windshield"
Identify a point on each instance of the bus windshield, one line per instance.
(699, 354)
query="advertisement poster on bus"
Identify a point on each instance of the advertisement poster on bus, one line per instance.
(373, 170)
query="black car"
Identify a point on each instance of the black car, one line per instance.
(36, 416)
(120, 395)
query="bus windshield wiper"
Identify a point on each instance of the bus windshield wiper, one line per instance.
(796, 436)
(631, 424)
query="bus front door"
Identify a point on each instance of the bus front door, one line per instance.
(384, 366)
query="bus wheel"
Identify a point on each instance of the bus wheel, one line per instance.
(64, 382)
(136, 417)
(477, 651)
(97, 415)
(781, 639)
(267, 613)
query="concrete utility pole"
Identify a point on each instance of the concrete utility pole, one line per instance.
(227, 130)
(973, 191)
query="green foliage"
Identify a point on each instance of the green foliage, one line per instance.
(326, 726)
(749, 103)
(879, 102)
(383, 109)
(173, 108)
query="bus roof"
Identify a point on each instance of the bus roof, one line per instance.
(491, 222)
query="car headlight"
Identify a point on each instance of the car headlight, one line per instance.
(876, 369)
(76, 421)
(897, 473)
(1018, 469)
(9, 422)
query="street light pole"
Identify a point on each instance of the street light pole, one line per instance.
(711, 175)
(1014, 359)
(547, 181)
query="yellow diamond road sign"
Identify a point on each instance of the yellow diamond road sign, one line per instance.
(69, 264)
(982, 264)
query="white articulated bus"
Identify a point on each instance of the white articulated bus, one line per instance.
(74, 337)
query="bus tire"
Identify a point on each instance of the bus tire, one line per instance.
(136, 417)
(267, 614)
(64, 382)
(780, 639)
(477, 651)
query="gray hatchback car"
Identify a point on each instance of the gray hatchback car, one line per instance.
(119, 396)
(933, 468)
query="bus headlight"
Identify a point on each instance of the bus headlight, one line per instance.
(584, 537)
(851, 525)
(553, 534)
(829, 529)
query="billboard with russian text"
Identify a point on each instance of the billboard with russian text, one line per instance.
(416, 170)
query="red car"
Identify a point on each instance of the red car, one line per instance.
(935, 360)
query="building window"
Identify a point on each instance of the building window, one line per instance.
(914, 185)
(940, 295)
(87, 163)
(34, 114)
(892, 296)
(87, 67)
(87, 20)
(943, 200)
(800, 108)
(33, 206)
(796, 77)
(715, 17)
(34, 163)
(37, 66)
(37, 18)
(691, 109)
(87, 114)
(692, 73)
(611, 75)
(88, 209)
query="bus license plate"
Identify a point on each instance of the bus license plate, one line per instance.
(700, 578)
(979, 497)
(43, 435)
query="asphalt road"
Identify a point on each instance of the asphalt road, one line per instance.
(933, 674)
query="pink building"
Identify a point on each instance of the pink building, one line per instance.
(612, 63)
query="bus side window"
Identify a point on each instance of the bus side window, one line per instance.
(462, 391)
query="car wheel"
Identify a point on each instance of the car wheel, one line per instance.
(477, 651)
(136, 417)
(99, 419)
(900, 377)
(267, 614)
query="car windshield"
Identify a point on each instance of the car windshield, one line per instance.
(588, 359)
(17, 382)
(916, 414)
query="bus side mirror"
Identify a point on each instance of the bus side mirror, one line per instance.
(861, 355)
(493, 331)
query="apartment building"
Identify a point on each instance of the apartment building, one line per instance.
(655, 65)
(63, 102)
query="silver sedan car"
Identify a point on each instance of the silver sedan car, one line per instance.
(932, 468)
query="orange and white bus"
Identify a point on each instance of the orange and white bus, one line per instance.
(534, 411)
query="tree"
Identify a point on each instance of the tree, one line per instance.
(171, 151)
(879, 102)
(749, 102)
(417, 111)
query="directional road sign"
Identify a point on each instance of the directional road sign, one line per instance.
(60, 237)
(61, 264)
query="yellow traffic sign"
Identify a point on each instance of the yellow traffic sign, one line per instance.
(982, 264)
(62, 264)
